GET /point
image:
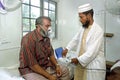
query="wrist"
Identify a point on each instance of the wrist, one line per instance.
(57, 65)
(48, 76)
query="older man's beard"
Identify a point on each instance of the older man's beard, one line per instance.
(43, 32)
(86, 25)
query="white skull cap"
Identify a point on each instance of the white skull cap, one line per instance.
(84, 8)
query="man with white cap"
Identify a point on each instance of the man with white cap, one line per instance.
(90, 60)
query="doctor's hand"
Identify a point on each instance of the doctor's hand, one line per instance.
(74, 60)
(64, 53)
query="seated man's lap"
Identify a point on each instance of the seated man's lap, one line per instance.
(35, 76)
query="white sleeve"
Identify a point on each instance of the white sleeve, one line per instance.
(75, 40)
(92, 50)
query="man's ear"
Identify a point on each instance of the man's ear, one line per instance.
(38, 25)
(88, 15)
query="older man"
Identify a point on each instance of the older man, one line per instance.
(37, 61)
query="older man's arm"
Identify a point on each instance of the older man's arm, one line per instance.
(54, 61)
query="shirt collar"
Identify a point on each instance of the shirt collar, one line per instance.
(38, 35)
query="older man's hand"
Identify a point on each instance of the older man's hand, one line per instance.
(58, 71)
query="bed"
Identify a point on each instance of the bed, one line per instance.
(10, 73)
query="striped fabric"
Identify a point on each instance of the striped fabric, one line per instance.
(35, 49)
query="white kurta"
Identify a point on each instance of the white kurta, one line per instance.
(93, 59)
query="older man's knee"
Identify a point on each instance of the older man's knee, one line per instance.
(65, 73)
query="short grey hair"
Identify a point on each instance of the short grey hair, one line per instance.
(39, 20)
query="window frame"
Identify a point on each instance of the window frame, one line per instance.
(41, 7)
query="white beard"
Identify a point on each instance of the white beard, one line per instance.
(44, 32)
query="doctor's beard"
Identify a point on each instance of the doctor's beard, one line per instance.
(86, 25)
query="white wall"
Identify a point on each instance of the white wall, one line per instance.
(113, 44)
(10, 37)
(10, 29)
(68, 21)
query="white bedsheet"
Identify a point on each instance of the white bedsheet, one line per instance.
(7, 75)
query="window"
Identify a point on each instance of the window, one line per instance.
(31, 9)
